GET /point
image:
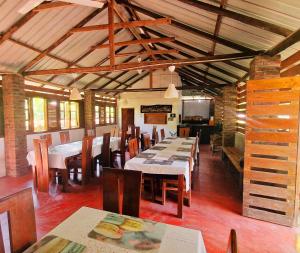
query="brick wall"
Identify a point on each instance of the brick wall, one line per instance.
(14, 125)
(265, 67)
(218, 109)
(89, 110)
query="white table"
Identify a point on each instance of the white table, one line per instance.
(180, 168)
(58, 154)
(77, 226)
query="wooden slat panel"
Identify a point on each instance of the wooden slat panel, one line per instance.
(276, 178)
(291, 110)
(272, 137)
(274, 96)
(273, 123)
(271, 163)
(278, 83)
(275, 150)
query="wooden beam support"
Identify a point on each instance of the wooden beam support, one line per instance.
(290, 61)
(240, 17)
(51, 5)
(111, 6)
(153, 52)
(60, 40)
(149, 89)
(144, 65)
(293, 71)
(131, 24)
(193, 30)
(284, 44)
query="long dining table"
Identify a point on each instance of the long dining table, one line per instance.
(90, 230)
(168, 157)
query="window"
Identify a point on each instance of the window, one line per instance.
(107, 114)
(27, 124)
(102, 115)
(112, 115)
(97, 115)
(69, 114)
(39, 114)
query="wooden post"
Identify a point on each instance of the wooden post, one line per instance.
(111, 4)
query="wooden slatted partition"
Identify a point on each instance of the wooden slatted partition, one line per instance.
(241, 102)
(271, 171)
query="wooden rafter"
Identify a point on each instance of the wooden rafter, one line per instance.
(193, 30)
(144, 65)
(111, 35)
(52, 5)
(131, 24)
(138, 42)
(61, 40)
(240, 17)
(291, 61)
(153, 52)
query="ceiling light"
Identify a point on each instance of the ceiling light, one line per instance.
(140, 71)
(171, 92)
(172, 68)
(75, 94)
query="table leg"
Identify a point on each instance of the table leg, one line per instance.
(180, 196)
(64, 175)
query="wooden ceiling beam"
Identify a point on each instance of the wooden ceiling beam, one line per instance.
(130, 24)
(196, 50)
(240, 17)
(285, 43)
(111, 35)
(150, 90)
(144, 65)
(192, 29)
(290, 61)
(153, 52)
(293, 71)
(207, 89)
(51, 5)
(61, 40)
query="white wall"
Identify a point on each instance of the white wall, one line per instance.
(100, 130)
(135, 100)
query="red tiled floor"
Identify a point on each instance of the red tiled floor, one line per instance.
(216, 208)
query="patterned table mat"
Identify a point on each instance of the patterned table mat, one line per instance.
(157, 161)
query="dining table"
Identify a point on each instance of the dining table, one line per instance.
(91, 230)
(168, 157)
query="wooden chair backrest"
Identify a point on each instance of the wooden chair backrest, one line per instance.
(184, 132)
(91, 132)
(196, 147)
(47, 137)
(1, 242)
(137, 135)
(122, 191)
(162, 134)
(123, 147)
(105, 150)
(154, 132)
(41, 164)
(86, 155)
(21, 219)
(156, 137)
(132, 132)
(132, 148)
(64, 137)
(147, 141)
(232, 242)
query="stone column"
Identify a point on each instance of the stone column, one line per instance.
(89, 111)
(218, 109)
(265, 67)
(14, 125)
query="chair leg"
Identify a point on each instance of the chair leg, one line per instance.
(189, 198)
(64, 176)
(164, 192)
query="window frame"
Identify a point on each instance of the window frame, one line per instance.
(103, 118)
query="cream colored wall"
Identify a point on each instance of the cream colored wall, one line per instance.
(135, 100)
(104, 129)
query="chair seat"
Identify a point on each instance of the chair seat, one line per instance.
(75, 163)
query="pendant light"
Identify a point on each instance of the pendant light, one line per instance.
(75, 94)
(171, 92)
(139, 61)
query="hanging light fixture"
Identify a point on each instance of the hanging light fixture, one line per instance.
(139, 61)
(171, 92)
(75, 94)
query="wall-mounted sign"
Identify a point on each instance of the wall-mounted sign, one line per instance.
(156, 108)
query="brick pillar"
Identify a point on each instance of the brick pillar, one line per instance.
(218, 109)
(89, 110)
(14, 125)
(229, 116)
(265, 67)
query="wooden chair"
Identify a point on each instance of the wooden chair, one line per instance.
(156, 138)
(132, 131)
(232, 242)
(122, 191)
(137, 135)
(121, 152)
(91, 132)
(162, 134)
(21, 220)
(105, 156)
(84, 161)
(184, 132)
(42, 174)
(147, 141)
(154, 131)
(64, 137)
(47, 137)
(170, 183)
(133, 148)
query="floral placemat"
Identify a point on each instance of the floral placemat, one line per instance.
(182, 149)
(129, 233)
(179, 158)
(165, 142)
(160, 148)
(185, 143)
(55, 244)
(157, 161)
(146, 155)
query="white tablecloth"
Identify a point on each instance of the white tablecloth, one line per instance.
(176, 168)
(59, 153)
(78, 225)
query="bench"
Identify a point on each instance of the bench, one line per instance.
(235, 156)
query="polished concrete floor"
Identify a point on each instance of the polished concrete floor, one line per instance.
(216, 208)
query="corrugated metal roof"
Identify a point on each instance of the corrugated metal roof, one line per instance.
(46, 27)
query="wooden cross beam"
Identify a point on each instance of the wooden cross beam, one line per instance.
(111, 6)
(138, 23)
(144, 65)
(153, 52)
